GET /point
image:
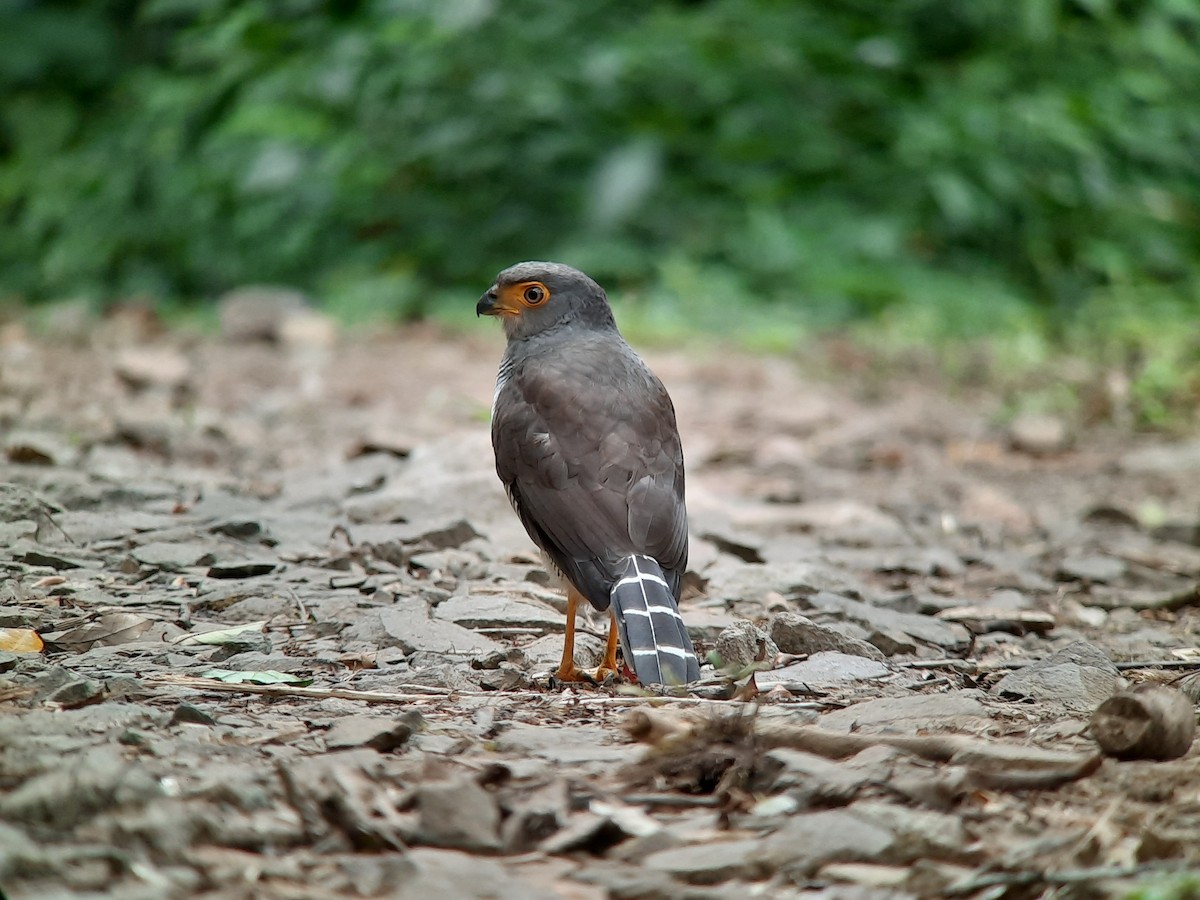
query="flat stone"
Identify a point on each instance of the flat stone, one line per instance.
(258, 312)
(586, 832)
(1080, 676)
(809, 841)
(710, 863)
(97, 781)
(440, 535)
(580, 744)
(457, 814)
(1091, 567)
(243, 568)
(1163, 459)
(144, 367)
(1038, 434)
(908, 714)
(754, 583)
(925, 630)
(449, 875)
(705, 623)
(812, 780)
(827, 669)
(547, 651)
(410, 627)
(173, 557)
(495, 611)
(919, 833)
(794, 633)
(534, 815)
(382, 733)
(987, 504)
(39, 448)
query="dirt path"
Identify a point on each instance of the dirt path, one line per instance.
(325, 510)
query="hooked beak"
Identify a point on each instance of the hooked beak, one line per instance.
(487, 303)
(493, 304)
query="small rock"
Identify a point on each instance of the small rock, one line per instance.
(382, 733)
(1091, 568)
(1163, 459)
(811, 840)
(743, 643)
(445, 535)
(146, 367)
(243, 569)
(877, 878)
(919, 833)
(38, 448)
(987, 504)
(457, 814)
(909, 715)
(101, 780)
(1079, 676)
(186, 714)
(586, 832)
(173, 557)
(258, 312)
(1039, 435)
(825, 669)
(409, 627)
(794, 633)
(710, 863)
(498, 612)
(812, 780)
(580, 744)
(534, 815)
(921, 629)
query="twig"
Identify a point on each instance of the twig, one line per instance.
(967, 665)
(291, 690)
(1160, 664)
(678, 801)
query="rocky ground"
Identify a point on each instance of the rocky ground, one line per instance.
(272, 630)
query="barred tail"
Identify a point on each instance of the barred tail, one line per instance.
(653, 638)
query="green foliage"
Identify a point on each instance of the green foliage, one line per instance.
(956, 166)
(1181, 886)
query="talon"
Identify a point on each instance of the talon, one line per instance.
(606, 676)
(572, 675)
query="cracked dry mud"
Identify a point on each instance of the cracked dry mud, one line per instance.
(893, 561)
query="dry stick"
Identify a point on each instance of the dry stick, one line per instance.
(291, 690)
(980, 758)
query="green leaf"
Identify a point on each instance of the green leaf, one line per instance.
(223, 636)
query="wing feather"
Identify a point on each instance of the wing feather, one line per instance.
(587, 447)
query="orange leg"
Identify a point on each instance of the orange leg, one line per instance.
(608, 668)
(567, 670)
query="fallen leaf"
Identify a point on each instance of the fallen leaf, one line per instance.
(20, 640)
(110, 628)
(223, 636)
(268, 676)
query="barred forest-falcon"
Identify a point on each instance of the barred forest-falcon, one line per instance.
(587, 447)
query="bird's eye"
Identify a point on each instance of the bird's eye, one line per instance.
(535, 294)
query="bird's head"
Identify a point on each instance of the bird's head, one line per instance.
(533, 297)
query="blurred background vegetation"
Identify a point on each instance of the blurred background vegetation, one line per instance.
(937, 169)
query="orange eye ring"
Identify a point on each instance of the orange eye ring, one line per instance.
(534, 293)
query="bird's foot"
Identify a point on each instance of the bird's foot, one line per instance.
(570, 675)
(607, 675)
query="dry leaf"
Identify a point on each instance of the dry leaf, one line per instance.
(20, 640)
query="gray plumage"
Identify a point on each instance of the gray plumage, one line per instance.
(588, 449)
